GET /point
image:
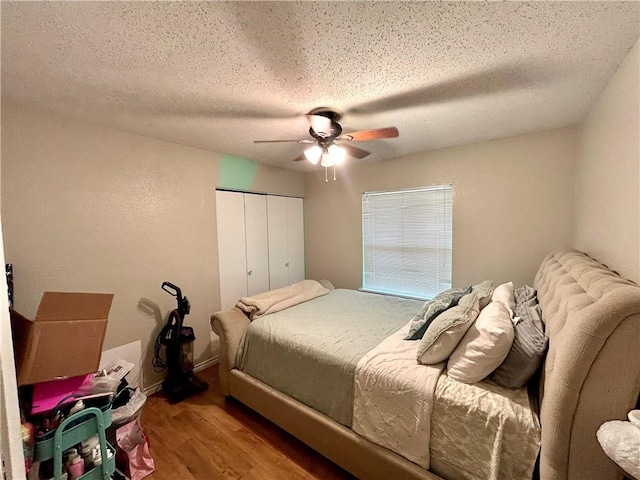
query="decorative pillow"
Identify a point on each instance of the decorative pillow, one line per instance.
(528, 349)
(504, 294)
(484, 346)
(432, 308)
(447, 330)
(483, 291)
(525, 297)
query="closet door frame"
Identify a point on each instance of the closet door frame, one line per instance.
(260, 243)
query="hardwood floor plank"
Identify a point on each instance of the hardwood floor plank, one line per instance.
(205, 466)
(206, 437)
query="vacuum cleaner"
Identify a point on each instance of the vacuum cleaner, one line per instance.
(177, 340)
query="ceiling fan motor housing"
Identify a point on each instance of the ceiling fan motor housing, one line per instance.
(335, 128)
(332, 114)
(336, 131)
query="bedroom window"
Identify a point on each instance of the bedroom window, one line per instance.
(406, 241)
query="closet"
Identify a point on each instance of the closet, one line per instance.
(260, 243)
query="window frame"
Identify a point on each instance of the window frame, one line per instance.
(444, 268)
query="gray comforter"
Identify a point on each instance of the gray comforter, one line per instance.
(310, 351)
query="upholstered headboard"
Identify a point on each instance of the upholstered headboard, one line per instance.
(592, 370)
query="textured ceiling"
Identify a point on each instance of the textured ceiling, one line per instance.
(218, 75)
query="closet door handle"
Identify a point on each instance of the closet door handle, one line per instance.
(249, 272)
(286, 264)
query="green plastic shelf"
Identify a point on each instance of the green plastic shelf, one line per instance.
(73, 430)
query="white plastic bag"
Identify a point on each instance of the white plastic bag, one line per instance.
(621, 442)
(100, 383)
(131, 409)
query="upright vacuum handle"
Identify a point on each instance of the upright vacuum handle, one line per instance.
(183, 303)
(176, 290)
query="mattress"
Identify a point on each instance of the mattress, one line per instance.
(310, 351)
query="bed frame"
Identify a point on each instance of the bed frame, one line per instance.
(591, 375)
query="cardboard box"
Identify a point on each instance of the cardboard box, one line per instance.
(64, 340)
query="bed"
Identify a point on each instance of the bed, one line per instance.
(591, 374)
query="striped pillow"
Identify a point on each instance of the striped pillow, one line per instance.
(528, 348)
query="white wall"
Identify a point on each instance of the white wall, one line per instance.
(90, 209)
(607, 219)
(513, 203)
(11, 455)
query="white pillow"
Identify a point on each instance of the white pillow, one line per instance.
(446, 330)
(484, 346)
(504, 294)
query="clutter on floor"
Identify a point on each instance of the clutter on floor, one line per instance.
(82, 429)
(72, 412)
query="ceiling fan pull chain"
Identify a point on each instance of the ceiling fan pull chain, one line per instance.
(334, 173)
(326, 179)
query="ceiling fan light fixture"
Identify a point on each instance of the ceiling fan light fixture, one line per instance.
(332, 155)
(337, 153)
(327, 160)
(313, 154)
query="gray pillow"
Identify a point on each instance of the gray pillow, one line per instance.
(432, 308)
(528, 349)
(483, 291)
(446, 331)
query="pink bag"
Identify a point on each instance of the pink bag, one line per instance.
(133, 457)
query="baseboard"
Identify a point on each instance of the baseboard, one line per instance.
(155, 388)
(207, 363)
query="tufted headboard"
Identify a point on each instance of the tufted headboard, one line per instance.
(592, 370)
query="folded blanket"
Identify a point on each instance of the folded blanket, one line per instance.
(281, 298)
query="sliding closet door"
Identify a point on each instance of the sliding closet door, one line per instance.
(286, 240)
(260, 243)
(255, 221)
(231, 247)
(295, 239)
(278, 237)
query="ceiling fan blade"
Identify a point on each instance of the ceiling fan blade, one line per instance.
(354, 151)
(285, 141)
(365, 135)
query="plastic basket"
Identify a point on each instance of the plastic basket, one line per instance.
(75, 428)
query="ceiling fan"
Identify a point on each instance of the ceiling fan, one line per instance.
(329, 144)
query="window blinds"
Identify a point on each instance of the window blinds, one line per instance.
(406, 241)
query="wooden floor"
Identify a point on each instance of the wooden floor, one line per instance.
(206, 437)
